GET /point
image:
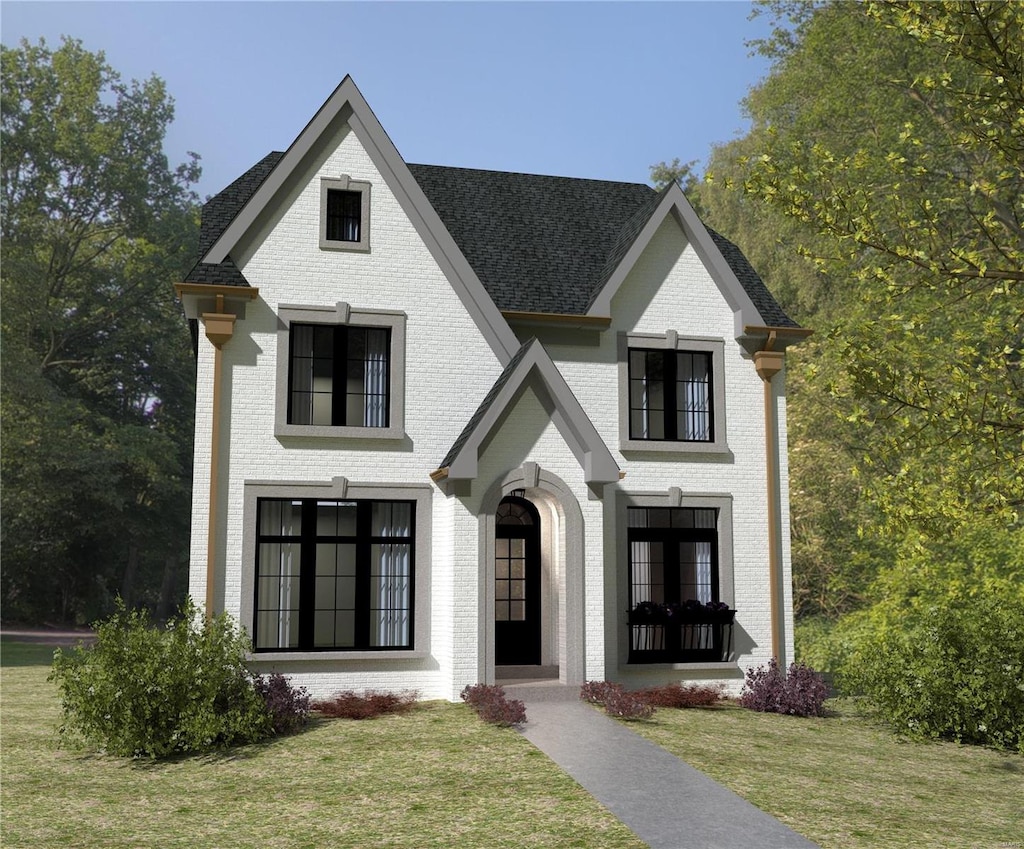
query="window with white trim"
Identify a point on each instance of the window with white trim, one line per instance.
(334, 575)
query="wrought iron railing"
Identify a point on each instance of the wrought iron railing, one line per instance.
(702, 636)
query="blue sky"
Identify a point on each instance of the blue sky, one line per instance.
(599, 90)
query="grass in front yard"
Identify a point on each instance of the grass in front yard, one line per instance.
(13, 653)
(847, 783)
(435, 777)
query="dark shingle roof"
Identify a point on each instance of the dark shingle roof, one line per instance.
(218, 212)
(771, 312)
(538, 244)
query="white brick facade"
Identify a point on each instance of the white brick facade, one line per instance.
(450, 365)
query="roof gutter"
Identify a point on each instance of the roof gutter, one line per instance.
(552, 319)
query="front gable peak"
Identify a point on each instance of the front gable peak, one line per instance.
(461, 462)
(346, 105)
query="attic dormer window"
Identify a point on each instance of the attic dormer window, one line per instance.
(344, 214)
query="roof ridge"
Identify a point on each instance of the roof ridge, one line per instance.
(529, 174)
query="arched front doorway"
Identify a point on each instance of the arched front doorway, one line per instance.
(517, 583)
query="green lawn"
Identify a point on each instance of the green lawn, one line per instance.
(440, 777)
(435, 777)
(847, 783)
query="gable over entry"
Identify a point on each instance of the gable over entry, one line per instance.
(531, 361)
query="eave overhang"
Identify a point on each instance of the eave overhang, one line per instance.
(757, 337)
(202, 298)
(561, 320)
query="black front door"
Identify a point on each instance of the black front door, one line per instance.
(517, 583)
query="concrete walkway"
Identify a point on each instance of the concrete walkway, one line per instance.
(664, 801)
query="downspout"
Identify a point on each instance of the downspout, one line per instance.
(219, 326)
(768, 364)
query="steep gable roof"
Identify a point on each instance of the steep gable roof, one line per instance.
(599, 467)
(513, 242)
(346, 106)
(218, 212)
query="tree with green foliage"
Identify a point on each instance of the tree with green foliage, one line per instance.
(98, 378)
(880, 191)
(916, 184)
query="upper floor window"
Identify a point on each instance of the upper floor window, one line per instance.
(344, 214)
(340, 372)
(671, 395)
(339, 375)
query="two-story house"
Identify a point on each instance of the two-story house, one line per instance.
(457, 425)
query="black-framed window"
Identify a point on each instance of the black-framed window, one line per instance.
(673, 555)
(334, 575)
(671, 395)
(339, 375)
(344, 216)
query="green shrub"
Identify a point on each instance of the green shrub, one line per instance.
(956, 672)
(142, 691)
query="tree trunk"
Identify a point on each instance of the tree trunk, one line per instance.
(165, 604)
(130, 571)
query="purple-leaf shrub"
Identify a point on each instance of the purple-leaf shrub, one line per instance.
(623, 704)
(683, 695)
(800, 692)
(288, 706)
(492, 705)
(597, 692)
(369, 705)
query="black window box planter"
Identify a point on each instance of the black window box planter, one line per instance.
(698, 636)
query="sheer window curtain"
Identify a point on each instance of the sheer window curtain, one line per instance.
(702, 557)
(643, 636)
(375, 379)
(279, 584)
(390, 575)
(694, 399)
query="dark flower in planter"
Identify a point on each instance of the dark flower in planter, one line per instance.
(648, 611)
(690, 610)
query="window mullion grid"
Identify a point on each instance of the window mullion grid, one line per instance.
(307, 574)
(339, 376)
(364, 515)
